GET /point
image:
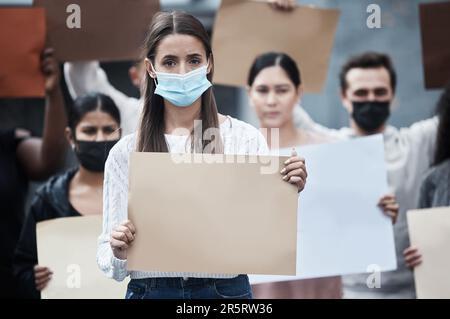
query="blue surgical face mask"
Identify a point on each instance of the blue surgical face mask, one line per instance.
(182, 90)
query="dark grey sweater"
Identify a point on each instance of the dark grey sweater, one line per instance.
(435, 189)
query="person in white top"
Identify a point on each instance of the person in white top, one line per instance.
(178, 98)
(368, 83)
(85, 77)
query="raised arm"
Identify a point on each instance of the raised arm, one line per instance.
(85, 77)
(41, 157)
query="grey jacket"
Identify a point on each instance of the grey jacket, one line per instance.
(435, 189)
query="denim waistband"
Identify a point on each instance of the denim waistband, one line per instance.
(180, 282)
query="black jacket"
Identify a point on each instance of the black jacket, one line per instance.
(13, 192)
(50, 201)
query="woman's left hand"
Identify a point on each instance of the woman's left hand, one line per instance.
(294, 171)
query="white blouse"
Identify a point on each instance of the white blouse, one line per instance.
(238, 138)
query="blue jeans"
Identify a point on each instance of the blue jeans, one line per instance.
(190, 288)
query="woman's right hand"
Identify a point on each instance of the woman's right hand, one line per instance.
(42, 276)
(412, 257)
(122, 237)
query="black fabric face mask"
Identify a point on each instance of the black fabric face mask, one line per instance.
(370, 115)
(93, 155)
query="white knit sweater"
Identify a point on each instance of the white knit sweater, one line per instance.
(238, 138)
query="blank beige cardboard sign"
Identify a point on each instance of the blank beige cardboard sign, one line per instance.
(68, 246)
(245, 29)
(22, 39)
(110, 30)
(429, 230)
(211, 217)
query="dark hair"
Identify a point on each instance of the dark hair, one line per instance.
(443, 134)
(368, 60)
(92, 102)
(269, 59)
(151, 131)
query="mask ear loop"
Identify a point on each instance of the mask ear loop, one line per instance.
(154, 71)
(75, 141)
(207, 65)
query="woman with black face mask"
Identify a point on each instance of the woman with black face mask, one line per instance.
(94, 128)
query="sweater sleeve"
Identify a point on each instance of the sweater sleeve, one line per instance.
(304, 121)
(422, 136)
(115, 203)
(261, 145)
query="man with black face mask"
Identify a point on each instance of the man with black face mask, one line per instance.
(368, 83)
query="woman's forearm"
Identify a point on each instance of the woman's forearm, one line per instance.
(41, 157)
(53, 139)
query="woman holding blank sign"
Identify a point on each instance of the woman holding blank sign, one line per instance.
(274, 88)
(434, 191)
(180, 65)
(94, 127)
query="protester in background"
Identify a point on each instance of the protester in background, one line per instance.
(367, 84)
(435, 189)
(24, 158)
(274, 88)
(94, 128)
(85, 77)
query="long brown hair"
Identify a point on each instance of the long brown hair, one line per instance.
(443, 134)
(151, 131)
